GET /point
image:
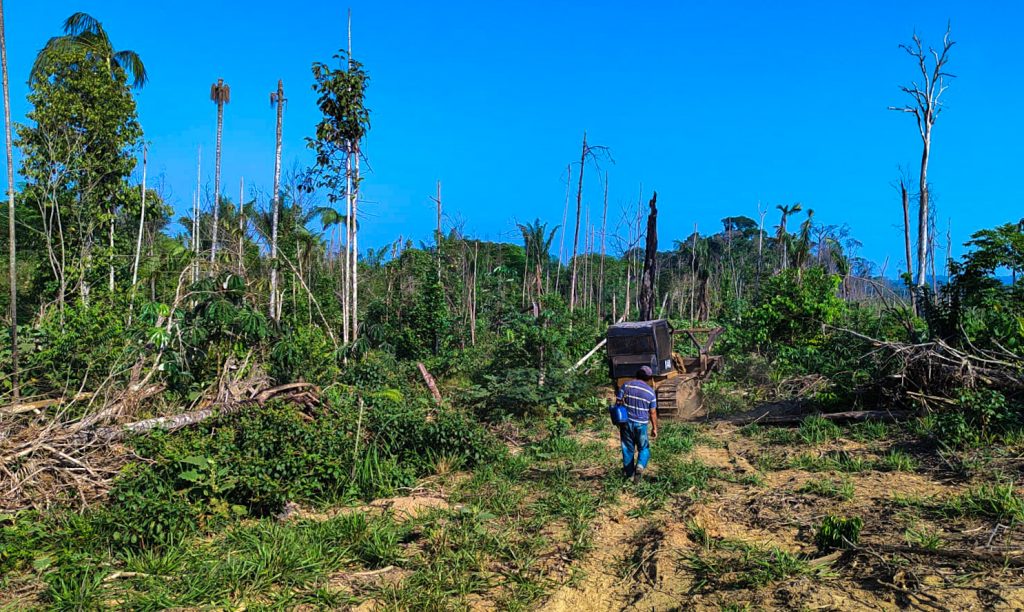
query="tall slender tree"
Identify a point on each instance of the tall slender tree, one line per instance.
(12, 269)
(925, 105)
(276, 100)
(220, 94)
(576, 232)
(782, 236)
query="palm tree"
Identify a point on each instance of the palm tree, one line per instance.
(220, 93)
(276, 99)
(12, 254)
(782, 237)
(83, 33)
(802, 251)
(538, 248)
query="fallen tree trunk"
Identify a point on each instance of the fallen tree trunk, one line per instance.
(854, 416)
(304, 393)
(427, 378)
(1012, 558)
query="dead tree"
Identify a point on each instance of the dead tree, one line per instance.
(588, 152)
(925, 105)
(650, 262)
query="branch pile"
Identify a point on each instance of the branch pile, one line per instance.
(55, 460)
(936, 371)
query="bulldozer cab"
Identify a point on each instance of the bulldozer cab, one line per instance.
(642, 343)
(677, 379)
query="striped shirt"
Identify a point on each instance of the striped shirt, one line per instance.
(639, 399)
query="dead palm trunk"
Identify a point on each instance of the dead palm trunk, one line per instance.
(12, 270)
(220, 93)
(277, 99)
(576, 233)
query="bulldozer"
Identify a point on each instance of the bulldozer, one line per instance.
(677, 379)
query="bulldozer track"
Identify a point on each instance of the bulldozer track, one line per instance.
(679, 398)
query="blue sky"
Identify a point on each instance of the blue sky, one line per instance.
(716, 105)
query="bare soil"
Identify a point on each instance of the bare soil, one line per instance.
(645, 563)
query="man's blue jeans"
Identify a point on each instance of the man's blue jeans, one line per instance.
(636, 447)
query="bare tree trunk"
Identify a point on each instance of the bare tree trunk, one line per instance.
(760, 244)
(241, 226)
(931, 251)
(904, 197)
(12, 269)
(142, 224)
(922, 212)
(275, 204)
(472, 310)
(576, 233)
(646, 294)
(355, 249)
(196, 207)
(693, 272)
(565, 219)
(110, 247)
(604, 227)
(216, 182)
(949, 249)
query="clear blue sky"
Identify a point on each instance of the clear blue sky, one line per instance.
(716, 105)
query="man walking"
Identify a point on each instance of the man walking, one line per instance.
(642, 407)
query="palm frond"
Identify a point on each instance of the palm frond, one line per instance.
(131, 63)
(81, 23)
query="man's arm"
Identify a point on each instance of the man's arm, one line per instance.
(654, 419)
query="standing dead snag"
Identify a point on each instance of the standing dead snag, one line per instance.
(650, 263)
(925, 105)
(591, 152)
(220, 94)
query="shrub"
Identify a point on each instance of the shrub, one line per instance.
(305, 353)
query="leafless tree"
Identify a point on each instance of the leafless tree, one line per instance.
(925, 105)
(588, 152)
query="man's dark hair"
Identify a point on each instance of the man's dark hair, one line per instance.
(644, 373)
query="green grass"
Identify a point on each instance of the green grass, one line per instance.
(838, 461)
(723, 564)
(827, 487)
(898, 461)
(816, 430)
(870, 431)
(999, 501)
(929, 539)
